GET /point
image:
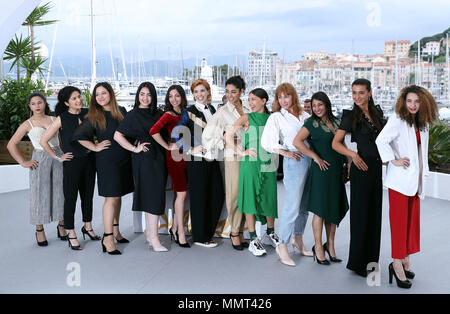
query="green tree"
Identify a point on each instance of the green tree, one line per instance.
(33, 20)
(18, 50)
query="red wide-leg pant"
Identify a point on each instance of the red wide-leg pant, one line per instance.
(404, 214)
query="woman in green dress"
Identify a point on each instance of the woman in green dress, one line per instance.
(257, 197)
(327, 198)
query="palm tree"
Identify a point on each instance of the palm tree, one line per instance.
(18, 50)
(33, 20)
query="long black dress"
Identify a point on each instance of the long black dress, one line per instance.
(114, 172)
(149, 168)
(366, 192)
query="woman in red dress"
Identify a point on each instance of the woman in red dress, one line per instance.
(175, 103)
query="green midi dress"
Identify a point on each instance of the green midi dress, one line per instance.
(327, 197)
(257, 175)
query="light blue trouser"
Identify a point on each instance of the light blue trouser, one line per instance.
(294, 215)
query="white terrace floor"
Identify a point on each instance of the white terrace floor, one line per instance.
(27, 268)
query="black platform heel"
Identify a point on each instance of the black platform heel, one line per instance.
(332, 259)
(324, 262)
(406, 284)
(43, 243)
(115, 252)
(123, 240)
(62, 238)
(93, 238)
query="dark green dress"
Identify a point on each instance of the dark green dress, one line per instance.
(327, 197)
(257, 176)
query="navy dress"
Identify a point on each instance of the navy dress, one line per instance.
(113, 165)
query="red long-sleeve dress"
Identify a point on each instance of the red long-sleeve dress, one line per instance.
(177, 169)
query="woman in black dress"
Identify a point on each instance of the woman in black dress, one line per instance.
(113, 163)
(79, 170)
(149, 163)
(364, 123)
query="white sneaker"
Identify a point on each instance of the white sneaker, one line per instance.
(206, 244)
(274, 240)
(257, 248)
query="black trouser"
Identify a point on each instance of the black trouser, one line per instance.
(206, 194)
(366, 193)
(79, 175)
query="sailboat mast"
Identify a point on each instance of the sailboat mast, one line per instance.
(94, 61)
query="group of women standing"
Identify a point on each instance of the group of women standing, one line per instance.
(135, 151)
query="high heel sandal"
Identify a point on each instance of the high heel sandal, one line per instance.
(185, 245)
(238, 247)
(42, 243)
(406, 284)
(62, 238)
(332, 259)
(324, 262)
(115, 252)
(73, 247)
(123, 240)
(93, 238)
(173, 237)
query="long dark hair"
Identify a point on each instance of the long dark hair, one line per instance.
(63, 97)
(154, 103)
(168, 106)
(96, 113)
(38, 94)
(373, 111)
(321, 96)
(237, 81)
(261, 93)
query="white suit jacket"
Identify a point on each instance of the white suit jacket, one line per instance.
(398, 140)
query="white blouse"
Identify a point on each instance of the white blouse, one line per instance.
(221, 122)
(281, 129)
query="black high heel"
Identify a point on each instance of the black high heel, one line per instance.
(332, 259)
(186, 245)
(244, 244)
(115, 252)
(93, 238)
(173, 237)
(406, 284)
(43, 243)
(123, 240)
(324, 262)
(238, 247)
(75, 248)
(408, 273)
(62, 238)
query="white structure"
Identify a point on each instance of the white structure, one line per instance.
(316, 56)
(432, 48)
(206, 72)
(262, 68)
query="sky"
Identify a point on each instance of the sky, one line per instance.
(207, 28)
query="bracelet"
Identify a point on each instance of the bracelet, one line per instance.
(58, 158)
(134, 148)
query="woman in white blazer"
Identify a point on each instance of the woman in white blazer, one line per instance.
(403, 143)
